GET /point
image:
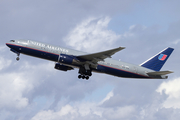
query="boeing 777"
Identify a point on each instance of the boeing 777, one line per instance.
(68, 59)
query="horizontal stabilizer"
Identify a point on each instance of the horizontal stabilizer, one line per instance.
(159, 73)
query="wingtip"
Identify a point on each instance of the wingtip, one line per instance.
(122, 47)
(171, 71)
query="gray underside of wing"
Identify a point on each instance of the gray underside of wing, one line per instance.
(160, 73)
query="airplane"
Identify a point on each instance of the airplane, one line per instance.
(101, 62)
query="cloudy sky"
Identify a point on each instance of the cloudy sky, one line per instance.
(31, 89)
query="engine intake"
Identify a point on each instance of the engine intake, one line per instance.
(59, 66)
(66, 59)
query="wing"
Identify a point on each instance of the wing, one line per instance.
(95, 57)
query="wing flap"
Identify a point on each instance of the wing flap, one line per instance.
(159, 73)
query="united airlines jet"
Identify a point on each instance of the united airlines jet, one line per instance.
(68, 59)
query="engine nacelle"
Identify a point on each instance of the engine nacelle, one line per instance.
(59, 66)
(66, 59)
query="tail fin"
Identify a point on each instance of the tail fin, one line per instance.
(156, 62)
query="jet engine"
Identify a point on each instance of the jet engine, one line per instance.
(66, 59)
(59, 66)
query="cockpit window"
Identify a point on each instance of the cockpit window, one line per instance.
(12, 40)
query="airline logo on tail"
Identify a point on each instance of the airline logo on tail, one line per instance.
(162, 57)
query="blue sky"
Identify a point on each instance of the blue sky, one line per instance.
(31, 89)
(149, 13)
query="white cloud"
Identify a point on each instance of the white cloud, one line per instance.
(120, 112)
(12, 87)
(172, 89)
(176, 41)
(16, 83)
(45, 115)
(85, 108)
(4, 63)
(92, 35)
(109, 95)
(78, 112)
(66, 110)
(88, 110)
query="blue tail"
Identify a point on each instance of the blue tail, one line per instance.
(157, 61)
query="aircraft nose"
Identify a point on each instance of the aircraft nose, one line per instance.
(8, 44)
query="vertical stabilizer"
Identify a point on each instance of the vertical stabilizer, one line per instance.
(156, 62)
